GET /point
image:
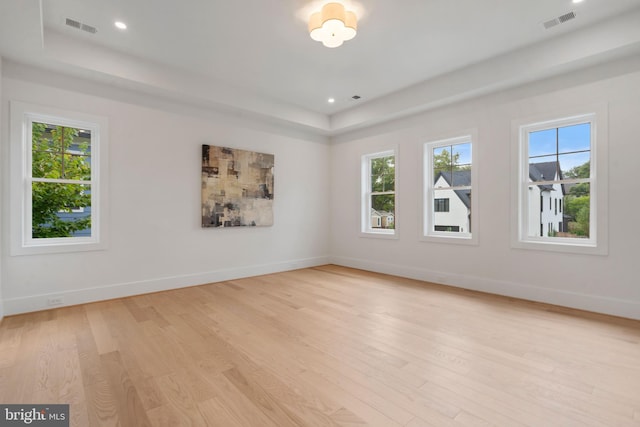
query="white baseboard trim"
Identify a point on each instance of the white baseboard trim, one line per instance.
(593, 303)
(119, 290)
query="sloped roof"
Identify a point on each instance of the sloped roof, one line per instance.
(381, 213)
(545, 171)
(458, 178)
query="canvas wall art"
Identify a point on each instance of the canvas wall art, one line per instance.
(237, 187)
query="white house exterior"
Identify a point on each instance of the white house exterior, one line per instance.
(452, 208)
(546, 202)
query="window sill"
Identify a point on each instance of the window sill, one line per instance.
(391, 234)
(465, 239)
(56, 248)
(572, 247)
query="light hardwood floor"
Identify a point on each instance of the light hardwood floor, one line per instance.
(326, 346)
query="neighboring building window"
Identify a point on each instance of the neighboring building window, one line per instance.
(378, 191)
(449, 176)
(557, 189)
(441, 205)
(56, 187)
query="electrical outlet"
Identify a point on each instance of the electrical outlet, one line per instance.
(55, 301)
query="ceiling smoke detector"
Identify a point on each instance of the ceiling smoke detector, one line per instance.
(559, 20)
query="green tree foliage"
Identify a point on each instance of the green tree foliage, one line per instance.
(578, 201)
(582, 171)
(577, 208)
(444, 161)
(383, 179)
(52, 159)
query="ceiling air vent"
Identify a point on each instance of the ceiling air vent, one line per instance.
(89, 29)
(75, 24)
(80, 26)
(559, 20)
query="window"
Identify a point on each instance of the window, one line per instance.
(56, 192)
(378, 194)
(561, 168)
(449, 208)
(441, 205)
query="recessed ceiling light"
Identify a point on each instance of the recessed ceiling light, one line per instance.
(577, 1)
(331, 100)
(121, 25)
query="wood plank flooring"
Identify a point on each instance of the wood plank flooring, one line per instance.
(325, 346)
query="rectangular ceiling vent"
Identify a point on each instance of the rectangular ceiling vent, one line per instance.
(89, 29)
(80, 26)
(566, 17)
(559, 20)
(75, 24)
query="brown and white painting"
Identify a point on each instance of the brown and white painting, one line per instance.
(237, 187)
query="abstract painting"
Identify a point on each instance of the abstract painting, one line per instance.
(237, 187)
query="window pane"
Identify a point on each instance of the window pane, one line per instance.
(452, 210)
(575, 165)
(574, 138)
(462, 154)
(60, 152)
(542, 142)
(559, 210)
(452, 165)
(383, 174)
(383, 211)
(60, 210)
(576, 207)
(442, 157)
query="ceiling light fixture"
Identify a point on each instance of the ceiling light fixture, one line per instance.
(121, 25)
(331, 100)
(333, 25)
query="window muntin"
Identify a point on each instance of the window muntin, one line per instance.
(449, 177)
(378, 188)
(58, 198)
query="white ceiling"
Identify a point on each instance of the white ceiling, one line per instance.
(256, 55)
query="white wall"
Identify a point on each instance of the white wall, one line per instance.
(607, 284)
(155, 238)
(156, 241)
(2, 125)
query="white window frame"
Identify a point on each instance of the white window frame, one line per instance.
(22, 117)
(597, 243)
(365, 228)
(428, 233)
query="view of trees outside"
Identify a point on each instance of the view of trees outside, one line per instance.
(451, 158)
(577, 201)
(60, 164)
(569, 147)
(383, 185)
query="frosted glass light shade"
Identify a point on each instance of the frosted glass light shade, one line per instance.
(333, 25)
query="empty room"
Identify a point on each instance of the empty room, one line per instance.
(319, 213)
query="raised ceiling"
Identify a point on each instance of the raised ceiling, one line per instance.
(255, 56)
